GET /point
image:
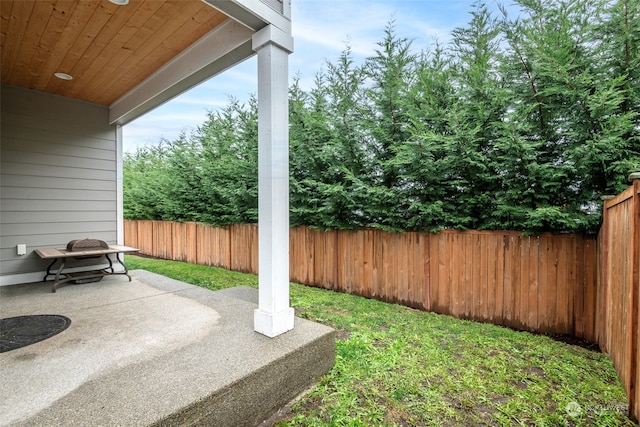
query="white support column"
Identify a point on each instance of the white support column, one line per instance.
(274, 316)
(119, 186)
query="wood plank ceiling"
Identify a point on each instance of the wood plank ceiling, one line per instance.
(106, 48)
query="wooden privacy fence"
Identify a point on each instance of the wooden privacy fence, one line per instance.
(617, 311)
(234, 247)
(541, 283)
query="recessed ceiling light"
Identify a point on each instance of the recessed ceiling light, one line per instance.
(120, 2)
(63, 76)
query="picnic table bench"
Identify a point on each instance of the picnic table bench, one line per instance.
(62, 255)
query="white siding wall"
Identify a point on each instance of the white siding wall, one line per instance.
(57, 176)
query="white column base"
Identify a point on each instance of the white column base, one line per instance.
(273, 324)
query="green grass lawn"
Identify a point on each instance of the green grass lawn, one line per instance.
(396, 366)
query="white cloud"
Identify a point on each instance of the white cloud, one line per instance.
(166, 123)
(196, 98)
(331, 24)
(244, 73)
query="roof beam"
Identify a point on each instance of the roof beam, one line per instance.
(225, 46)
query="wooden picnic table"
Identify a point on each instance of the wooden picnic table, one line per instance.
(61, 255)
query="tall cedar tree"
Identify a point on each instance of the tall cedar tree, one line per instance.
(228, 155)
(144, 183)
(472, 117)
(343, 184)
(311, 157)
(390, 74)
(421, 161)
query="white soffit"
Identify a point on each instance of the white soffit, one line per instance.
(255, 14)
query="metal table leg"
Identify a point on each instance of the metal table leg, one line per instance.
(49, 273)
(56, 282)
(126, 271)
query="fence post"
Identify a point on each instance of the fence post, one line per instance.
(604, 283)
(635, 284)
(427, 271)
(579, 289)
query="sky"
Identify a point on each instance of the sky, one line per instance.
(321, 29)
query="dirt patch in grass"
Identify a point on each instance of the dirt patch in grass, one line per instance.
(379, 344)
(571, 340)
(286, 411)
(141, 255)
(535, 371)
(342, 335)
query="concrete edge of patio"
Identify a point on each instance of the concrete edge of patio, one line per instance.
(229, 376)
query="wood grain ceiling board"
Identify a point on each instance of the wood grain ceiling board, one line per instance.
(108, 49)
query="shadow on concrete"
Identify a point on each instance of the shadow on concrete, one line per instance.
(154, 351)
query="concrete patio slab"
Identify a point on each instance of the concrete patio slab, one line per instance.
(153, 351)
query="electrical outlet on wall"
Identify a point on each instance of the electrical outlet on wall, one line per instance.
(21, 249)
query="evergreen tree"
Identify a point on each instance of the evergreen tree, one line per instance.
(576, 125)
(183, 200)
(390, 74)
(144, 180)
(421, 160)
(472, 118)
(228, 151)
(345, 181)
(615, 102)
(310, 157)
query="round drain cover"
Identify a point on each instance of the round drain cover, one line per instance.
(21, 331)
